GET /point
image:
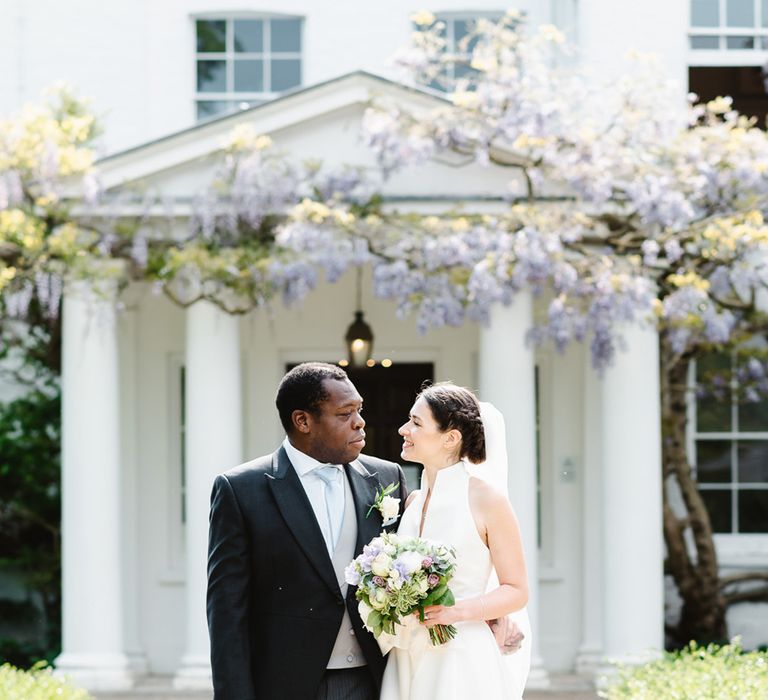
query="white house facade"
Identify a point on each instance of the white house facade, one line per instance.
(158, 399)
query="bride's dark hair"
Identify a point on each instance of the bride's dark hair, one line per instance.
(456, 408)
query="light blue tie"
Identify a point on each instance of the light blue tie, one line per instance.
(334, 501)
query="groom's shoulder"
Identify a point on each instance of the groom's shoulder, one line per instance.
(251, 471)
(374, 464)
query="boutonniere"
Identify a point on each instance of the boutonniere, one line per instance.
(388, 506)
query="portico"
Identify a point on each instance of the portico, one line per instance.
(158, 399)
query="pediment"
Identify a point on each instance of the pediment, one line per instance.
(320, 122)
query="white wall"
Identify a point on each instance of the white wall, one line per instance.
(607, 29)
(136, 59)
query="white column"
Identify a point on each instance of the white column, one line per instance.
(213, 444)
(633, 599)
(507, 380)
(92, 580)
(131, 499)
(590, 654)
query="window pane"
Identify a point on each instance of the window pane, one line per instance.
(719, 507)
(753, 417)
(286, 35)
(753, 461)
(740, 13)
(462, 70)
(249, 76)
(462, 28)
(249, 35)
(441, 82)
(713, 461)
(764, 14)
(442, 26)
(213, 108)
(286, 73)
(753, 511)
(211, 76)
(705, 42)
(739, 42)
(713, 414)
(704, 13)
(211, 35)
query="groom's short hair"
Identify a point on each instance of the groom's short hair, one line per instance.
(301, 389)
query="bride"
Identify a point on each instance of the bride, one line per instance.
(462, 503)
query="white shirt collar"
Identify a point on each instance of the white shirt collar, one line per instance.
(302, 462)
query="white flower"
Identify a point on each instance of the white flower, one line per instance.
(365, 610)
(411, 561)
(380, 565)
(379, 599)
(390, 508)
(423, 18)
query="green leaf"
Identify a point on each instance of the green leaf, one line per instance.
(374, 619)
(435, 594)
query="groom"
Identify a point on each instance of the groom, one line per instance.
(282, 621)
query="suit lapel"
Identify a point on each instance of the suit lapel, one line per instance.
(364, 485)
(292, 501)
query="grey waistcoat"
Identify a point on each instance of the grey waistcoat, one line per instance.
(346, 651)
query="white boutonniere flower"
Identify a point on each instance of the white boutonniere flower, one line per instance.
(388, 506)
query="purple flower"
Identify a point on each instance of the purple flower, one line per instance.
(402, 569)
(352, 575)
(433, 580)
(426, 562)
(379, 581)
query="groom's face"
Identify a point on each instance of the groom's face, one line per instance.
(335, 432)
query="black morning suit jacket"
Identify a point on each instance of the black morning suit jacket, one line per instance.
(274, 604)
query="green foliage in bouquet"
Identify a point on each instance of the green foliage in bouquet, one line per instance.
(696, 673)
(36, 684)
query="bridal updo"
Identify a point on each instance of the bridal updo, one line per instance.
(456, 408)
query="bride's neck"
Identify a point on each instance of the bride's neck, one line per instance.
(432, 469)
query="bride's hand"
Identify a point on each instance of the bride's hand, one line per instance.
(441, 615)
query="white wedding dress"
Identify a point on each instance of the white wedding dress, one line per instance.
(470, 665)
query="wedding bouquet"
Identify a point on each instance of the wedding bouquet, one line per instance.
(397, 576)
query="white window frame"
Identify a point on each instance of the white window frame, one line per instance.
(229, 55)
(725, 57)
(450, 18)
(734, 549)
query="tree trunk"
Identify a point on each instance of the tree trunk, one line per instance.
(695, 572)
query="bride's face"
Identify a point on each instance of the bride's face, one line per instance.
(423, 441)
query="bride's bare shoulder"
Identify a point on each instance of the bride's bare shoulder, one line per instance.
(485, 496)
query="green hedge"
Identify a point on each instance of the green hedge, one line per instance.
(36, 684)
(696, 673)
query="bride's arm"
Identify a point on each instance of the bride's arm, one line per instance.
(493, 515)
